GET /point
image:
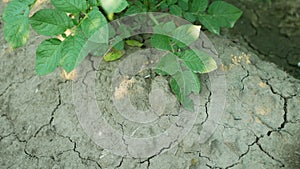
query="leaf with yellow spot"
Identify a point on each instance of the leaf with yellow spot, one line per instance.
(114, 55)
(134, 43)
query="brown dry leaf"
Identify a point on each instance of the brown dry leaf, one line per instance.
(69, 76)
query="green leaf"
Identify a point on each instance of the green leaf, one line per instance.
(183, 4)
(137, 8)
(198, 61)
(93, 22)
(183, 83)
(72, 6)
(165, 28)
(125, 31)
(198, 6)
(16, 31)
(220, 14)
(168, 65)
(113, 6)
(175, 10)
(119, 45)
(50, 22)
(15, 8)
(224, 13)
(189, 16)
(161, 42)
(187, 34)
(114, 55)
(164, 6)
(94, 2)
(73, 52)
(209, 23)
(171, 2)
(27, 2)
(134, 43)
(47, 56)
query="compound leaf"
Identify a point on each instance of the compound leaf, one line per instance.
(72, 6)
(50, 22)
(16, 31)
(47, 56)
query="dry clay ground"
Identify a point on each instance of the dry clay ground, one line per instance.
(260, 126)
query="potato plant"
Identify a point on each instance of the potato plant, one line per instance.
(77, 21)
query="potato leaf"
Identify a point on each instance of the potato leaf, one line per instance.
(95, 26)
(134, 43)
(224, 13)
(13, 9)
(16, 31)
(47, 56)
(73, 52)
(168, 65)
(220, 14)
(209, 23)
(198, 61)
(198, 6)
(183, 83)
(114, 55)
(176, 10)
(187, 34)
(161, 42)
(50, 22)
(113, 6)
(72, 6)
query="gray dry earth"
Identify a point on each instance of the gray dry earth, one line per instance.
(260, 127)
